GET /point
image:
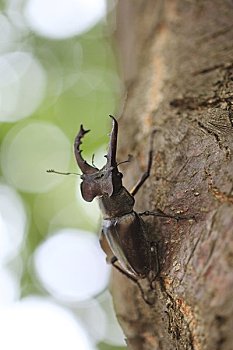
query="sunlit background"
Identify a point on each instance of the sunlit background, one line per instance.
(57, 70)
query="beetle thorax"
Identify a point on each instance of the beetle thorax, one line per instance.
(116, 205)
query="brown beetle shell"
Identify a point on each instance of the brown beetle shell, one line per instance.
(126, 235)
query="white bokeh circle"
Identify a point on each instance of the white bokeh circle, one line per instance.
(13, 223)
(22, 85)
(65, 18)
(114, 334)
(71, 265)
(34, 323)
(28, 152)
(10, 287)
(94, 318)
(9, 36)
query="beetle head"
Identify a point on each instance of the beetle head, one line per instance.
(107, 180)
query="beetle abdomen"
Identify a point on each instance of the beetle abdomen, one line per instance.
(127, 239)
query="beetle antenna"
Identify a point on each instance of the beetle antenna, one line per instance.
(61, 173)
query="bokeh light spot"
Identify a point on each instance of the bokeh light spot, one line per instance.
(114, 334)
(37, 324)
(10, 288)
(71, 265)
(28, 152)
(9, 33)
(94, 318)
(22, 85)
(13, 221)
(63, 19)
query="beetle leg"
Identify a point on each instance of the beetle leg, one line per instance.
(112, 259)
(145, 176)
(161, 214)
(113, 262)
(134, 279)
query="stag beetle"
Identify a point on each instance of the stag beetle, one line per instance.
(124, 231)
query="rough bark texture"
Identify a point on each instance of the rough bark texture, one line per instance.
(176, 59)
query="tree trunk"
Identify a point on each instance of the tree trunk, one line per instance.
(176, 59)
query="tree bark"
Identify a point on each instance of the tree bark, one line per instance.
(176, 61)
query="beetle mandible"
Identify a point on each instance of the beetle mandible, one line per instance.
(123, 230)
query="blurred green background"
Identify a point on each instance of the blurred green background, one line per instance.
(58, 70)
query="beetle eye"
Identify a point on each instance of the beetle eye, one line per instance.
(120, 175)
